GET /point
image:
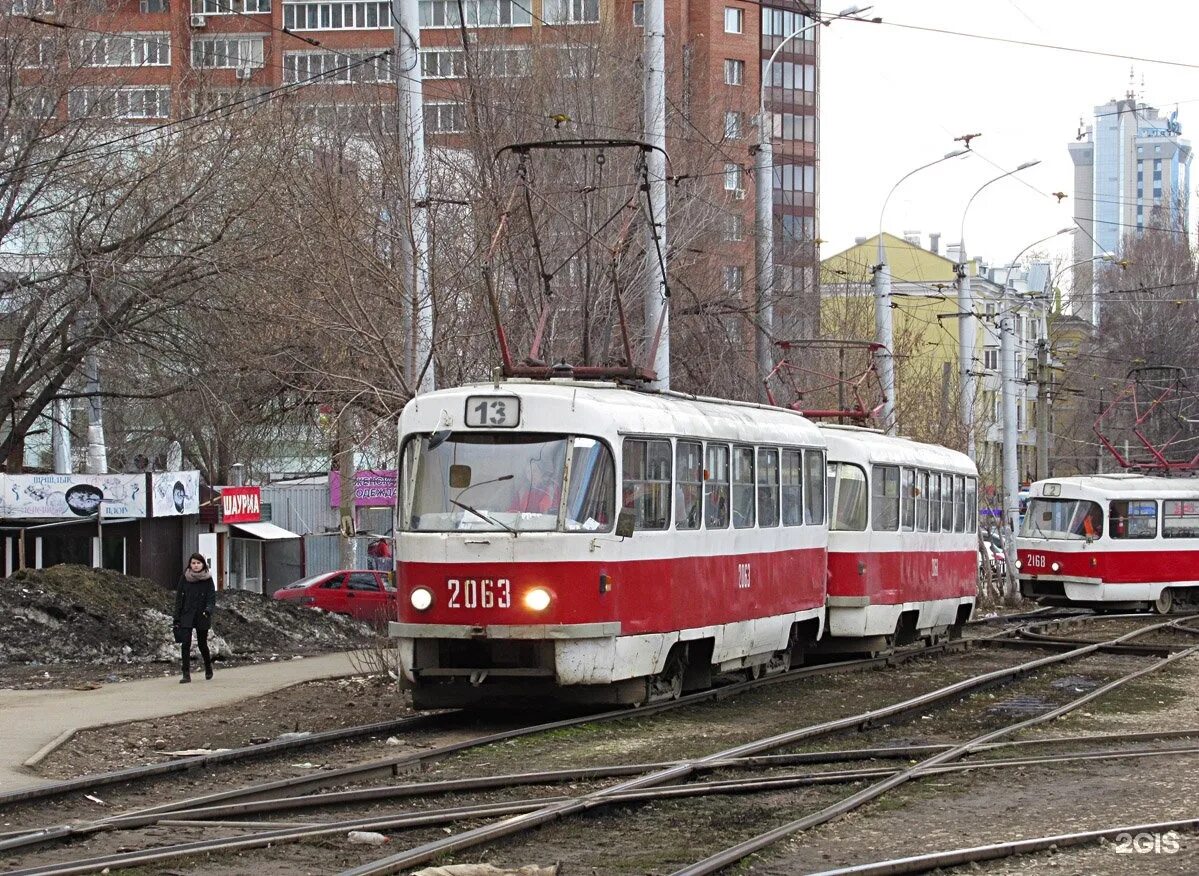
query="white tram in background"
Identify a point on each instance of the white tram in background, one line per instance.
(1115, 541)
(903, 544)
(587, 541)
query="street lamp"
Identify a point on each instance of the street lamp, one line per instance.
(764, 204)
(966, 319)
(883, 357)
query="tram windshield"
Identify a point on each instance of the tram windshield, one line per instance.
(509, 482)
(1062, 518)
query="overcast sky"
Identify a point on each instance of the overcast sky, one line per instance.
(893, 99)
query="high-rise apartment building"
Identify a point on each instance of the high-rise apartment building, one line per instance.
(1132, 173)
(156, 53)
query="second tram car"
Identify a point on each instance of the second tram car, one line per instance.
(903, 548)
(1118, 541)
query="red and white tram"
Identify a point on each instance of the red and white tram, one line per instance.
(1110, 541)
(903, 549)
(519, 575)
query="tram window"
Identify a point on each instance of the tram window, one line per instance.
(849, 510)
(743, 487)
(646, 488)
(592, 489)
(907, 496)
(689, 484)
(934, 502)
(792, 492)
(768, 487)
(1062, 518)
(971, 504)
(884, 504)
(1180, 518)
(947, 500)
(716, 487)
(1135, 518)
(922, 490)
(813, 486)
(959, 503)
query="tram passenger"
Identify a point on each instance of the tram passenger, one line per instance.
(542, 493)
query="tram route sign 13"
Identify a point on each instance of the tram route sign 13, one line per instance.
(492, 411)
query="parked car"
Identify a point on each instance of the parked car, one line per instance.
(357, 593)
(992, 552)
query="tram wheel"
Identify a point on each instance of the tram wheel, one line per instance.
(1164, 602)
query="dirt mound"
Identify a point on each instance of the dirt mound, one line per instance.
(73, 614)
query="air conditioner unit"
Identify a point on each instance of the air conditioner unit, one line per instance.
(199, 21)
(244, 72)
(739, 195)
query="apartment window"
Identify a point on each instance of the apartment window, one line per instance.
(734, 124)
(646, 472)
(31, 7)
(146, 6)
(991, 358)
(790, 126)
(256, 5)
(732, 178)
(445, 118)
(214, 7)
(226, 52)
(570, 11)
(576, 62)
(734, 227)
(780, 22)
(734, 20)
(121, 103)
(788, 75)
(374, 15)
(335, 67)
(639, 14)
(127, 50)
(442, 64)
(734, 72)
(734, 278)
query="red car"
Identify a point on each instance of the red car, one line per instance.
(356, 593)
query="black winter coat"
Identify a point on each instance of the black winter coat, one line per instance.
(195, 601)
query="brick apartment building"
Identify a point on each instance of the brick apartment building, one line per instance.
(159, 50)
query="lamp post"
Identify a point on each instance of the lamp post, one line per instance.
(764, 206)
(966, 320)
(884, 358)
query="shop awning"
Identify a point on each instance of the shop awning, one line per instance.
(265, 531)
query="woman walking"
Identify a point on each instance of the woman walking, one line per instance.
(195, 601)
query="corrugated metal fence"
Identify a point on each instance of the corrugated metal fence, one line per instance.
(322, 553)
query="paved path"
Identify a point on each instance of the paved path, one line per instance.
(31, 720)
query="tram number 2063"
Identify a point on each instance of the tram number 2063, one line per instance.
(479, 593)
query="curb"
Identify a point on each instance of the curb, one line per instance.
(49, 748)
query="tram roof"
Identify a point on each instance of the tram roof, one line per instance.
(856, 444)
(1123, 485)
(624, 409)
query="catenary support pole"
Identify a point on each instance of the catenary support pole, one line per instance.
(413, 241)
(657, 304)
(97, 452)
(764, 252)
(1044, 383)
(1011, 486)
(60, 436)
(966, 330)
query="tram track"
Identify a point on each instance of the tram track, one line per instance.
(215, 807)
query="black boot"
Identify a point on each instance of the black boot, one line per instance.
(187, 666)
(208, 669)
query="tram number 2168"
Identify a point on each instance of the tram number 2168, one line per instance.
(479, 593)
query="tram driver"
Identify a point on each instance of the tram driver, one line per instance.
(542, 492)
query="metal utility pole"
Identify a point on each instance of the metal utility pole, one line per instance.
(966, 349)
(1044, 382)
(97, 452)
(764, 249)
(60, 436)
(410, 129)
(657, 305)
(1011, 484)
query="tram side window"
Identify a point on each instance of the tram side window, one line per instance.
(716, 487)
(813, 483)
(743, 487)
(934, 502)
(646, 488)
(689, 484)
(1180, 518)
(768, 487)
(959, 503)
(947, 500)
(1135, 518)
(971, 504)
(592, 487)
(884, 504)
(922, 489)
(907, 495)
(792, 490)
(849, 503)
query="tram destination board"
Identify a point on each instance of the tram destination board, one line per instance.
(492, 411)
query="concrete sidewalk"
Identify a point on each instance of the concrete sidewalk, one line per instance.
(33, 720)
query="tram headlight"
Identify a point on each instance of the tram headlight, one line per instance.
(1057, 567)
(537, 599)
(421, 598)
(1019, 565)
